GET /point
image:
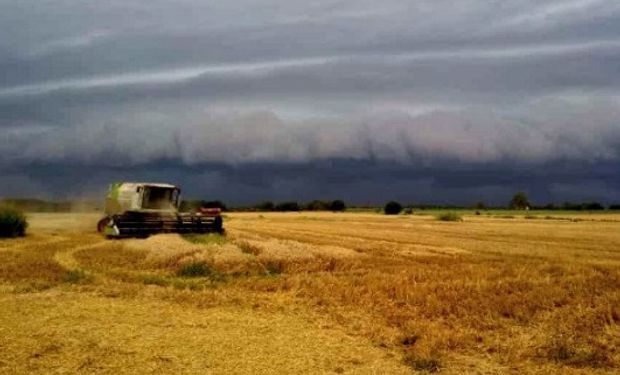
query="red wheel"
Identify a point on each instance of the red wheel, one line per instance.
(102, 224)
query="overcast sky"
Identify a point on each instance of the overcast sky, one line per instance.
(243, 100)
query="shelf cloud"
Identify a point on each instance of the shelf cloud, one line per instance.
(421, 99)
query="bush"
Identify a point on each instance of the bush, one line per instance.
(593, 206)
(583, 206)
(449, 216)
(265, 206)
(287, 206)
(392, 208)
(317, 205)
(337, 206)
(12, 223)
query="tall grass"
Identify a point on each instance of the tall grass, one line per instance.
(209, 238)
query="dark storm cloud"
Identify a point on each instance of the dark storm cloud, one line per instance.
(362, 182)
(546, 129)
(122, 87)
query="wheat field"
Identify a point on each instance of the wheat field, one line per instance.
(318, 293)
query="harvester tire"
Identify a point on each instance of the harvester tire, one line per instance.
(219, 225)
(102, 224)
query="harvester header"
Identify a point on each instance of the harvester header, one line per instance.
(140, 209)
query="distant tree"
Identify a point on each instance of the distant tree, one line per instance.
(392, 208)
(337, 206)
(519, 201)
(265, 206)
(480, 205)
(317, 205)
(571, 206)
(287, 206)
(36, 205)
(614, 207)
(593, 206)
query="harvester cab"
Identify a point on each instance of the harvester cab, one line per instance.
(141, 209)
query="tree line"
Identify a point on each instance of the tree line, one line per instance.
(337, 205)
(519, 201)
(36, 205)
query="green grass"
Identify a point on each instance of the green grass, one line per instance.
(449, 216)
(195, 269)
(206, 239)
(76, 276)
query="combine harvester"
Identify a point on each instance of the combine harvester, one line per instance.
(141, 209)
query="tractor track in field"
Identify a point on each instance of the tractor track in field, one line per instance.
(27, 245)
(67, 260)
(357, 242)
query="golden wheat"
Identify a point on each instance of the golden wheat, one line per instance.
(317, 293)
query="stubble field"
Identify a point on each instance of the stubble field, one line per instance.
(353, 293)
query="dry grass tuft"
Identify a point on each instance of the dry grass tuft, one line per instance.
(196, 269)
(449, 216)
(567, 351)
(248, 248)
(424, 364)
(76, 276)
